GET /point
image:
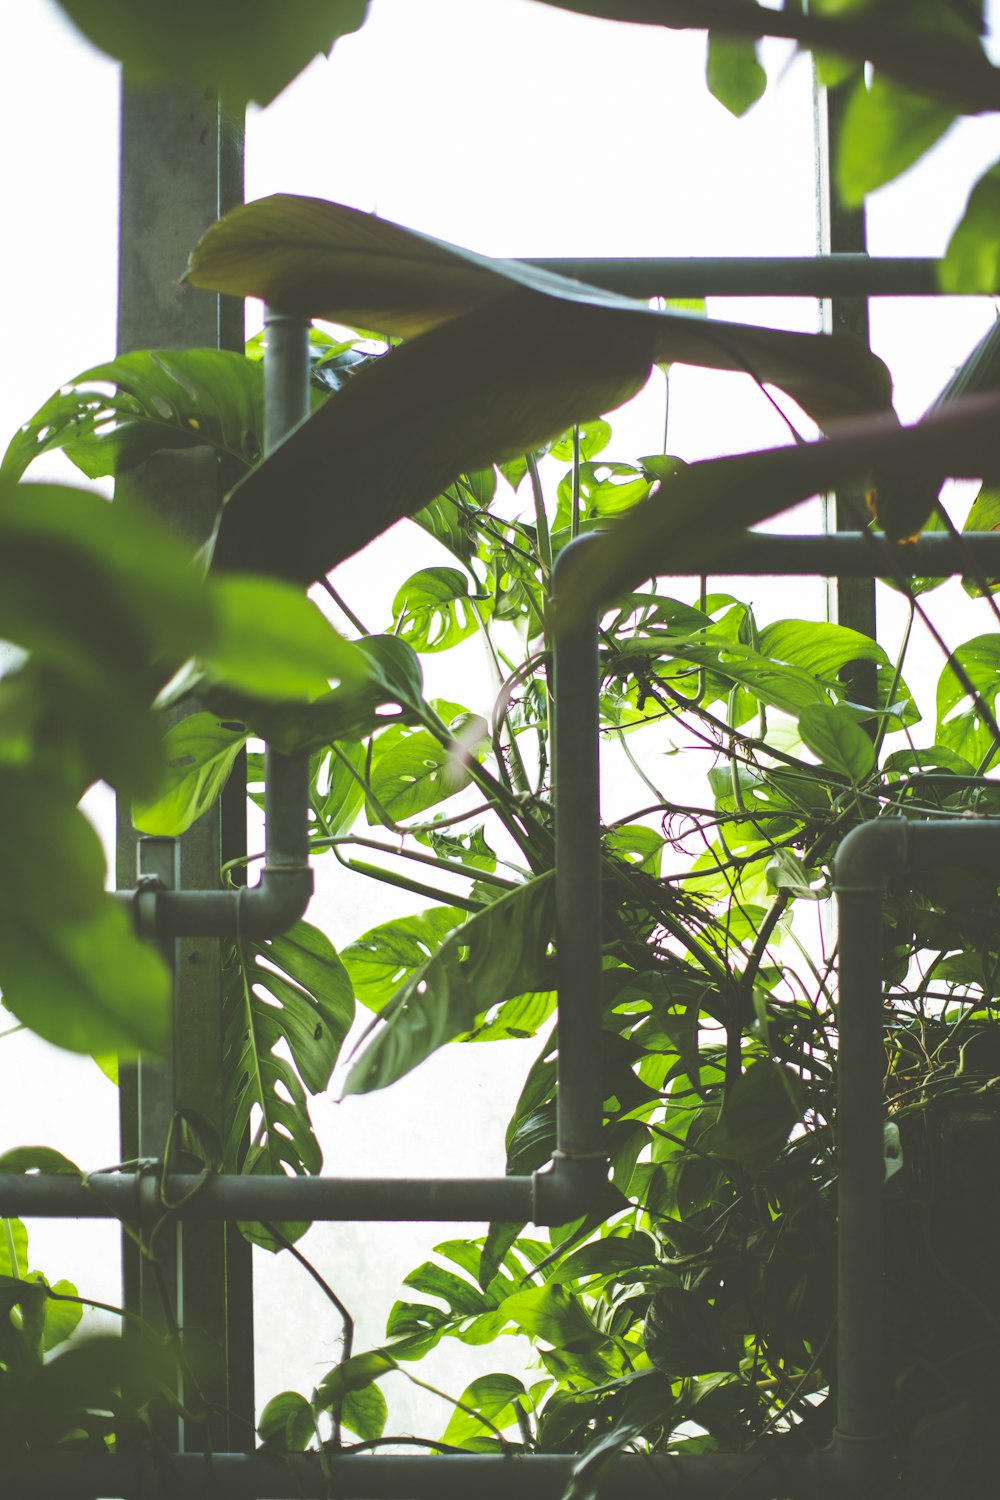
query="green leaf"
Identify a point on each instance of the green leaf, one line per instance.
(959, 725)
(272, 642)
(279, 1046)
(287, 1424)
(271, 48)
(885, 130)
(972, 260)
(832, 735)
(513, 356)
(433, 610)
(497, 1398)
(757, 1116)
(387, 956)
(554, 1316)
(14, 1233)
(93, 587)
(89, 986)
(496, 954)
(411, 770)
(734, 73)
(30, 1159)
(200, 753)
(160, 399)
(365, 1411)
(685, 1335)
(353, 1375)
(54, 862)
(594, 438)
(639, 846)
(62, 1319)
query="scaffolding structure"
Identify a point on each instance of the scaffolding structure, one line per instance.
(182, 168)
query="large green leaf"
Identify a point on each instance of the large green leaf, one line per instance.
(89, 985)
(513, 357)
(497, 1398)
(734, 73)
(246, 52)
(885, 130)
(496, 954)
(703, 509)
(199, 753)
(960, 726)
(972, 260)
(159, 399)
(411, 770)
(283, 1033)
(381, 960)
(96, 588)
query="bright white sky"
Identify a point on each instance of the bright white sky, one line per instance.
(514, 129)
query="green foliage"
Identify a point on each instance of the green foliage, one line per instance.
(291, 991)
(182, 398)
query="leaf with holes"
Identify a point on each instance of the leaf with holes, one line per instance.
(411, 770)
(111, 418)
(297, 996)
(381, 960)
(496, 954)
(433, 610)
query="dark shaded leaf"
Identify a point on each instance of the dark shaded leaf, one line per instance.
(272, 47)
(685, 1335)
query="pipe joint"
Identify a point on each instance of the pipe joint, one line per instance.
(870, 854)
(571, 1188)
(863, 1467)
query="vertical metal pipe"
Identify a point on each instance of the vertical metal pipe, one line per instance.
(286, 374)
(845, 230)
(576, 775)
(861, 1392)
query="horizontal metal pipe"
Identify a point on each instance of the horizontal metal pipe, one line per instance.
(858, 554)
(566, 1191)
(844, 275)
(270, 907)
(535, 1476)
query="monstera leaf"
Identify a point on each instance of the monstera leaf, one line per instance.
(295, 997)
(503, 356)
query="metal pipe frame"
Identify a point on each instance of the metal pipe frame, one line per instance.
(376, 1476)
(859, 1459)
(282, 893)
(847, 274)
(576, 1182)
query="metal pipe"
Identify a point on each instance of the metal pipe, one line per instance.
(858, 554)
(865, 861)
(840, 275)
(576, 776)
(377, 1476)
(282, 893)
(565, 1191)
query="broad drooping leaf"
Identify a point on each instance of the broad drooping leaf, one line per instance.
(507, 357)
(972, 260)
(297, 997)
(498, 953)
(247, 52)
(697, 513)
(114, 416)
